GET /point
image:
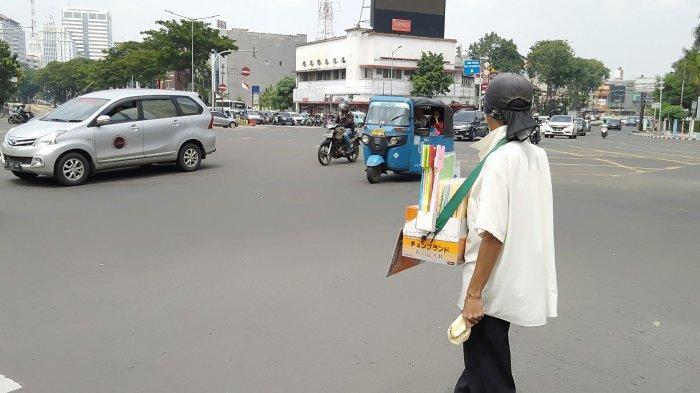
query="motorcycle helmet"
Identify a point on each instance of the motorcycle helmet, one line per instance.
(343, 106)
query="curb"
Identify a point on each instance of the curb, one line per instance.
(653, 136)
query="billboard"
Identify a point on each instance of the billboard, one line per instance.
(617, 93)
(410, 17)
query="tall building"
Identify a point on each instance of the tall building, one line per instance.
(13, 33)
(56, 43)
(90, 29)
(274, 59)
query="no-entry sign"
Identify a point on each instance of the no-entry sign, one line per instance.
(245, 71)
(223, 87)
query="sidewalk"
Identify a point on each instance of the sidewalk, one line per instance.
(667, 135)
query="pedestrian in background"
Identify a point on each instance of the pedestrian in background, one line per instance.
(509, 274)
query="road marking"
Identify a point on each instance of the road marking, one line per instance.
(7, 385)
(617, 164)
(666, 153)
(630, 155)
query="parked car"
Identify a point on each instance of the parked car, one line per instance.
(469, 125)
(584, 126)
(614, 124)
(252, 115)
(286, 118)
(560, 125)
(221, 119)
(111, 129)
(298, 119)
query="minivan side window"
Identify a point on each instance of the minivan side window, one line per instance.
(123, 112)
(188, 107)
(158, 108)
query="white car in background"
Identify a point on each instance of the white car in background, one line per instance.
(298, 119)
(560, 125)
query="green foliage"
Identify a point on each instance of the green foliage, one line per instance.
(502, 54)
(9, 69)
(673, 81)
(171, 46)
(586, 76)
(672, 112)
(430, 79)
(551, 61)
(62, 81)
(28, 85)
(279, 96)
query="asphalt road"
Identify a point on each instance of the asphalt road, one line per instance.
(264, 272)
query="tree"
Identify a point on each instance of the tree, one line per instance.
(551, 62)
(586, 76)
(502, 54)
(688, 69)
(696, 36)
(128, 61)
(28, 85)
(63, 81)
(430, 79)
(170, 46)
(9, 69)
(672, 112)
(279, 95)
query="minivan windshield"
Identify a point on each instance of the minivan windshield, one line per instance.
(560, 119)
(75, 110)
(465, 116)
(389, 113)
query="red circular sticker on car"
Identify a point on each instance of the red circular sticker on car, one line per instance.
(119, 142)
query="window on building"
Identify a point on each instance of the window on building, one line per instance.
(367, 73)
(408, 74)
(102, 17)
(77, 15)
(67, 14)
(342, 74)
(397, 74)
(336, 74)
(280, 63)
(93, 16)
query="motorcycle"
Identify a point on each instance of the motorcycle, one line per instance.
(535, 136)
(20, 117)
(334, 145)
(604, 131)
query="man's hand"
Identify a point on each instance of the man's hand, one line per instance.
(473, 310)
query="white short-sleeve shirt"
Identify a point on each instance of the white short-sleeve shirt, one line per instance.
(512, 200)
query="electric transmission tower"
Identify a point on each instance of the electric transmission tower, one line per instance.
(326, 10)
(34, 47)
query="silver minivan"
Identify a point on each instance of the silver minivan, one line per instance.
(111, 129)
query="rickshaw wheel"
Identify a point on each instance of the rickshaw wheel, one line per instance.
(373, 174)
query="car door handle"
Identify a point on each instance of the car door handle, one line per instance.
(176, 122)
(134, 127)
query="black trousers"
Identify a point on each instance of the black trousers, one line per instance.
(487, 359)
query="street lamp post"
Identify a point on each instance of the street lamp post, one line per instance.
(391, 82)
(192, 20)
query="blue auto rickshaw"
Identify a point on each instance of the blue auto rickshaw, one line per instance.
(395, 129)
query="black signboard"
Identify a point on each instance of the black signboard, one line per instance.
(410, 17)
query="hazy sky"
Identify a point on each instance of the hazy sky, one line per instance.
(642, 36)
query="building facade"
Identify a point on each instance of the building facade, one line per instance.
(365, 63)
(13, 33)
(90, 29)
(273, 60)
(56, 44)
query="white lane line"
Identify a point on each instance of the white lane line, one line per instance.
(7, 385)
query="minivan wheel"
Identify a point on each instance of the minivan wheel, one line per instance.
(232, 124)
(72, 169)
(189, 158)
(25, 175)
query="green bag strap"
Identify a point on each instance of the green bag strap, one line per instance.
(463, 190)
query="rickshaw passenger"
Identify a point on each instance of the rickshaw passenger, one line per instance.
(438, 123)
(421, 120)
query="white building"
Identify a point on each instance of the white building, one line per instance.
(56, 44)
(359, 65)
(13, 33)
(90, 29)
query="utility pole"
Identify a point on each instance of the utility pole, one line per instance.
(642, 104)
(661, 94)
(683, 91)
(192, 20)
(391, 82)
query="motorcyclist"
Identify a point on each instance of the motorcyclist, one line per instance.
(347, 120)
